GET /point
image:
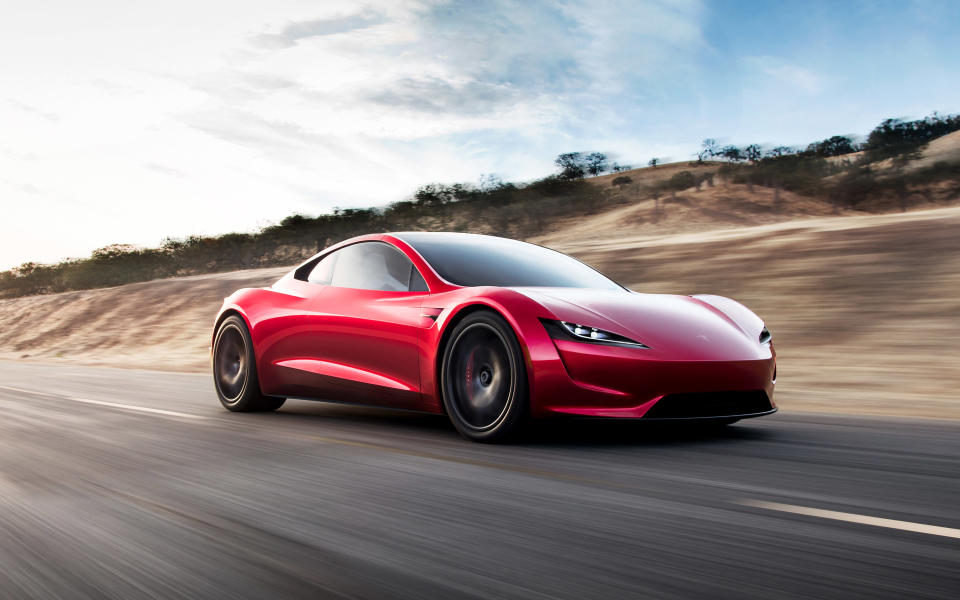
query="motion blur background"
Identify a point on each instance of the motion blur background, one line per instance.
(800, 157)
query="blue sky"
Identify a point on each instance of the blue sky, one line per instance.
(128, 124)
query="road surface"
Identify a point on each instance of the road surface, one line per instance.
(136, 484)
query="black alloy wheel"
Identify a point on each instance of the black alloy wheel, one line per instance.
(484, 379)
(235, 370)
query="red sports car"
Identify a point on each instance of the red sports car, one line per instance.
(490, 331)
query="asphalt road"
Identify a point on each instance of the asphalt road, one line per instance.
(102, 499)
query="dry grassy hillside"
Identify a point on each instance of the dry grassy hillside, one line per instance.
(724, 205)
(942, 149)
(161, 324)
(865, 310)
(945, 148)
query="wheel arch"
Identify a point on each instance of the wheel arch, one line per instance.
(223, 316)
(226, 313)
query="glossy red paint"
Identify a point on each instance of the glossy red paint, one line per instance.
(338, 371)
(384, 348)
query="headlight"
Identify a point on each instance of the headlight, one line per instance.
(765, 336)
(564, 330)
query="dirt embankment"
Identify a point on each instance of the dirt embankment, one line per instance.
(163, 324)
(865, 310)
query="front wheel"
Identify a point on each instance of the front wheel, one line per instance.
(235, 370)
(484, 379)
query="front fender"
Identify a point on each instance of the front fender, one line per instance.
(521, 313)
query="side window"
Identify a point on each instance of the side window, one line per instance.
(374, 266)
(417, 284)
(322, 272)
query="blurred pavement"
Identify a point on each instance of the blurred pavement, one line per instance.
(134, 484)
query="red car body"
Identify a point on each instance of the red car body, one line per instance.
(705, 354)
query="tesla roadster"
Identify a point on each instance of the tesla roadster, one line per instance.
(489, 331)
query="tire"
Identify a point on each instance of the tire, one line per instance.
(235, 370)
(484, 379)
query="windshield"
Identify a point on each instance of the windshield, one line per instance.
(475, 260)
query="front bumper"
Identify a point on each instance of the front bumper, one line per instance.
(605, 381)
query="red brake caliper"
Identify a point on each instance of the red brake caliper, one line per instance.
(469, 376)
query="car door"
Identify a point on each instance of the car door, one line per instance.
(368, 326)
(287, 329)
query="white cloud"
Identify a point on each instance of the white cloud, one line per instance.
(131, 123)
(294, 32)
(795, 76)
(33, 110)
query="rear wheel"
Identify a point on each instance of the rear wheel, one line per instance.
(483, 377)
(235, 370)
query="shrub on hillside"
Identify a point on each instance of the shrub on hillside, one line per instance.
(681, 181)
(837, 145)
(904, 139)
(506, 209)
(495, 207)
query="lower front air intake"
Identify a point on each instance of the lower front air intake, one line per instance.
(710, 404)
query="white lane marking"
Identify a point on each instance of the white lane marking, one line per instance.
(855, 518)
(144, 409)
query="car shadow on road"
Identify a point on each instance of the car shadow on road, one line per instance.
(367, 416)
(571, 432)
(610, 432)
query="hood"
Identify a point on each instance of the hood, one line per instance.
(677, 327)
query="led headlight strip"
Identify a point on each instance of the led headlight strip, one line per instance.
(565, 330)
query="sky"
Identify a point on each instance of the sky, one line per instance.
(130, 122)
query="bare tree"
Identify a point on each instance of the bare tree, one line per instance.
(780, 151)
(709, 150)
(571, 165)
(596, 163)
(731, 153)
